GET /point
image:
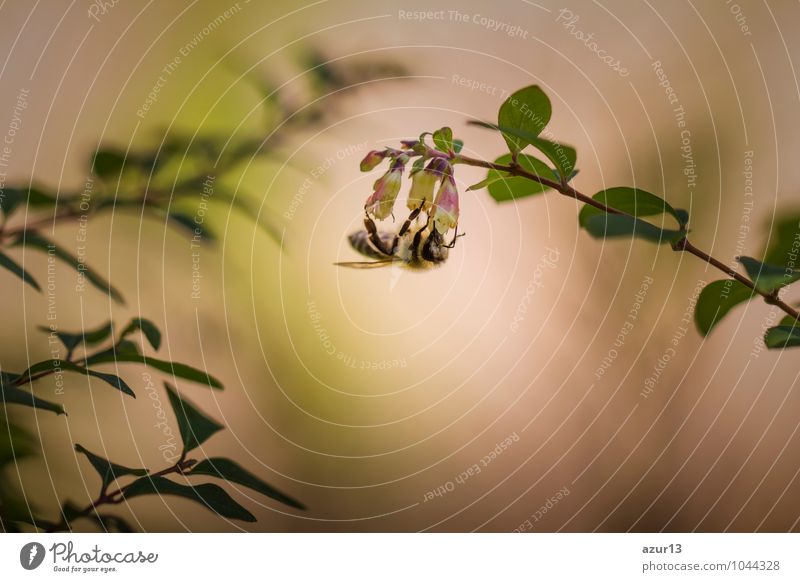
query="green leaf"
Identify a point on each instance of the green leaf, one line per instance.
(147, 327)
(782, 336)
(63, 365)
(768, 278)
(790, 321)
(230, 471)
(248, 209)
(111, 379)
(784, 239)
(107, 470)
(716, 300)
(108, 163)
(622, 225)
(211, 496)
(503, 186)
(174, 368)
(443, 139)
(564, 157)
(15, 443)
(190, 227)
(458, 145)
(72, 340)
(633, 201)
(195, 427)
(33, 197)
(35, 240)
(8, 263)
(12, 394)
(527, 110)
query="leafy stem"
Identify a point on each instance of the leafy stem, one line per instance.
(681, 245)
(114, 497)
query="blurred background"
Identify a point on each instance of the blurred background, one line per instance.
(496, 393)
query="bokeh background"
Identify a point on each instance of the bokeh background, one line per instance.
(361, 392)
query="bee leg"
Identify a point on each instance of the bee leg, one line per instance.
(418, 238)
(406, 225)
(411, 218)
(376, 240)
(455, 238)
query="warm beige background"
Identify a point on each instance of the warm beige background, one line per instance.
(714, 447)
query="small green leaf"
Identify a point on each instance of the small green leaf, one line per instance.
(564, 157)
(633, 201)
(230, 471)
(768, 278)
(443, 139)
(211, 496)
(108, 163)
(790, 321)
(503, 186)
(716, 300)
(8, 263)
(194, 426)
(15, 442)
(107, 470)
(123, 347)
(174, 368)
(35, 240)
(239, 201)
(527, 110)
(485, 182)
(113, 380)
(72, 340)
(54, 366)
(147, 327)
(622, 225)
(782, 336)
(14, 198)
(458, 145)
(190, 226)
(782, 248)
(12, 394)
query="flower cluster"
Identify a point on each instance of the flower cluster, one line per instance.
(431, 167)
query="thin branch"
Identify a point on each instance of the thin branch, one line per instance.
(117, 496)
(682, 245)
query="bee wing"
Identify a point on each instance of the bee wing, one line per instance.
(366, 264)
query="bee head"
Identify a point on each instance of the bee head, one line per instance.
(434, 249)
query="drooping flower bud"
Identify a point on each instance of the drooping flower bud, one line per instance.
(445, 207)
(381, 202)
(372, 159)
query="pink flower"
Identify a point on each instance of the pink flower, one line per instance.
(445, 207)
(371, 160)
(381, 202)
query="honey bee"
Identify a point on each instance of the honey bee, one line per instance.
(417, 249)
